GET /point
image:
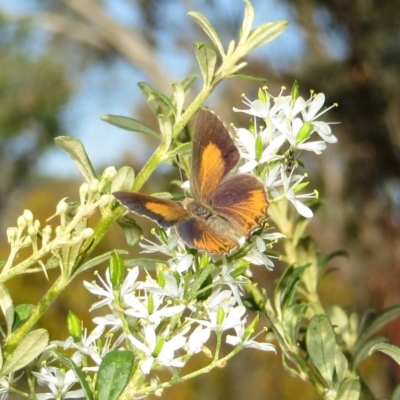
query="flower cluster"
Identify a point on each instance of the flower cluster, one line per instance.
(287, 128)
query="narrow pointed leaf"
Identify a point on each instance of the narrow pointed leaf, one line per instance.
(365, 350)
(247, 21)
(81, 378)
(321, 346)
(350, 390)
(166, 129)
(341, 366)
(377, 323)
(188, 81)
(93, 262)
(389, 349)
(179, 98)
(77, 152)
(28, 349)
(207, 59)
(181, 150)
(114, 374)
(264, 34)
(156, 100)
(249, 77)
(123, 180)
(208, 29)
(130, 124)
(7, 308)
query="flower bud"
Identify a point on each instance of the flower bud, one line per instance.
(304, 132)
(83, 192)
(109, 173)
(117, 269)
(74, 326)
(94, 186)
(21, 223)
(28, 217)
(86, 233)
(62, 207)
(12, 233)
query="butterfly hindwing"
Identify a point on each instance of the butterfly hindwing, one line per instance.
(164, 211)
(241, 199)
(196, 233)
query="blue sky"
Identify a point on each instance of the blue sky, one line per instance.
(112, 89)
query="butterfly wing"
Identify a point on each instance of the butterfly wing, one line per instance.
(214, 154)
(165, 212)
(197, 234)
(241, 199)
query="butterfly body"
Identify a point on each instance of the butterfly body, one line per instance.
(224, 207)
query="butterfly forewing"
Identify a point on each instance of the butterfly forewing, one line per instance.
(165, 212)
(214, 154)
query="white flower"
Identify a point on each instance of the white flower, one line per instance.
(106, 293)
(197, 339)
(157, 351)
(249, 342)
(150, 310)
(291, 185)
(59, 382)
(258, 246)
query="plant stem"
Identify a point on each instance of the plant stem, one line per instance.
(16, 337)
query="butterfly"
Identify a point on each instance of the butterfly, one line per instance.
(225, 206)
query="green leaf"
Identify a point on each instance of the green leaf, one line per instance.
(380, 320)
(30, 347)
(114, 374)
(179, 98)
(264, 34)
(132, 230)
(77, 152)
(130, 124)
(208, 29)
(22, 312)
(148, 263)
(188, 81)
(166, 129)
(325, 259)
(7, 307)
(81, 378)
(207, 60)
(247, 21)
(389, 349)
(341, 366)
(364, 351)
(249, 77)
(98, 260)
(123, 180)
(155, 99)
(182, 149)
(396, 393)
(321, 346)
(117, 270)
(349, 390)
(291, 322)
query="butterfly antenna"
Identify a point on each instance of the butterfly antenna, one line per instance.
(180, 172)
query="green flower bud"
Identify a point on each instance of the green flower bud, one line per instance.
(117, 269)
(74, 326)
(304, 132)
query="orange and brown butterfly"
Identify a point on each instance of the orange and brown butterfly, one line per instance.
(224, 207)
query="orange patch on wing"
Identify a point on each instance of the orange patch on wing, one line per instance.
(213, 243)
(212, 168)
(167, 212)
